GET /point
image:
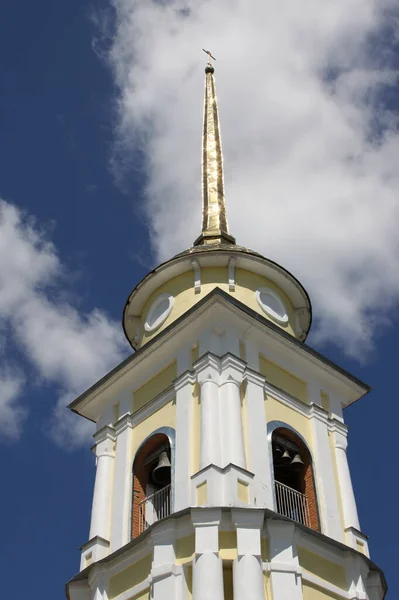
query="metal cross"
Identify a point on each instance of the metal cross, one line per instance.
(210, 55)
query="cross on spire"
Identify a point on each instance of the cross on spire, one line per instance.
(209, 56)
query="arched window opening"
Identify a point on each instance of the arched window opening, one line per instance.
(293, 478)
(152, 473)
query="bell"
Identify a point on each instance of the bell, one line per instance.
(297, 461)
(161, 473)
(286, 455)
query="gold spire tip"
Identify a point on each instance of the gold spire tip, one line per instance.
(214, 221)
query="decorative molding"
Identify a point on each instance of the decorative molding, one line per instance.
(269, 310)
(186, 378)
(105, 433)
(161, 318)
(197, 276)
(124, 423)
(207, 368)
(231, 369)
(232, 274)
(253, 377)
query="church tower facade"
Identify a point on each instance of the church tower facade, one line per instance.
(220, 444)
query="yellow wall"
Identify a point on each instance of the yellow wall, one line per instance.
(185, 549)
(164, 417)
(189, 579)
(228, 583)
(276, 411)
(228, 545)
(130, 577)
(282, 379)
(182, 290)
(325, 569)
(143, 596)
(313, 593)
(155, 386)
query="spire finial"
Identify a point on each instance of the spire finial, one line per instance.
(214, 221)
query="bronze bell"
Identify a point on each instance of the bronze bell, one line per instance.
(161, 473)
(297, 461)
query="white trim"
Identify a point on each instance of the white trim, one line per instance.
(232, 274)
(163, 316)
(280, 318)
(197, 276)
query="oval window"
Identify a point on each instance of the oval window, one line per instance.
(271, 304)
(158, 312)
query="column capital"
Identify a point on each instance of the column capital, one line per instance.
(340, 431)
(231, 369)
(318, 412)
(207, 368)
(186, 378)
(124, 423)
(253, 377)
(105, 442)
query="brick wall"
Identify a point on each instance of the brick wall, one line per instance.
(308, 483)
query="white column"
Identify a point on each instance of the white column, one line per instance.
(184, 417)
(258, 460)
(207, 564)
(122, 499)
(207, 369)
(349, 508)
(233, 451)
(102, 497)
(285, 574)
(327, 493)
(248, 581)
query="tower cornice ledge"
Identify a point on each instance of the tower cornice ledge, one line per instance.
(212, 516)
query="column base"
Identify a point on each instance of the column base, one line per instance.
(227, 486)
(93, 551)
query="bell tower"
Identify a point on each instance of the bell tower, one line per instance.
(220, 444)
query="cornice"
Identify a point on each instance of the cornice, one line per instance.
(186, 378)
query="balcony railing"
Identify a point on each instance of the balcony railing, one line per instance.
(154, 508)
(292, 504)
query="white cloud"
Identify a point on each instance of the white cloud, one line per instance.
(64, 347)
(300, 108)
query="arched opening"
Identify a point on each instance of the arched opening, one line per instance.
(293, 478)
(152, 473)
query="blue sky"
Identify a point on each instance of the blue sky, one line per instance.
(91, 189)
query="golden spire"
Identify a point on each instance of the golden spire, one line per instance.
(214, 221)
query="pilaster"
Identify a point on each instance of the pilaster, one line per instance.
(207, 371)
(101, 510)
(247, 567)
(207, 564)
(184, 425)
(231, 378)
(122, 483)
(324, 473)
(285, 573)
(258, 459)
(166, 577)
